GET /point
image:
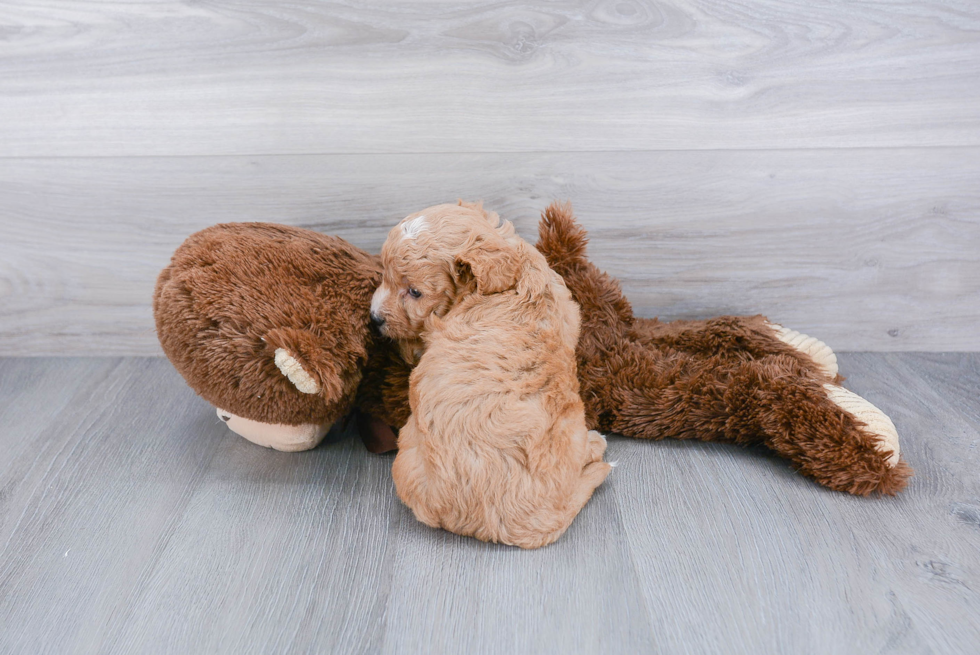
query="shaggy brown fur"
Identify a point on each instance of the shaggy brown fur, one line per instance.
(496, 446)
(726, 379)
(234, 293)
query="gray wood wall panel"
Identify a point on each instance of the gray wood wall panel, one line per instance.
(817, 162)
(869, 249)
(174, 78)
(132, 520)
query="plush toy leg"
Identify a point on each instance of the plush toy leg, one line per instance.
(376, 435)
(817, 350)
(737, 337)
(875, 421)
(829, 433)
(288, 438)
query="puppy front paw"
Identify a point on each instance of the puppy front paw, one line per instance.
(293, 370)
(876, 421)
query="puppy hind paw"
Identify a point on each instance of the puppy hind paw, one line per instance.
(876, 421)
(596, 445)
(817, 350)
(293, 370)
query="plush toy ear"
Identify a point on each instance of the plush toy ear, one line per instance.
(316, 363)
(492, 262)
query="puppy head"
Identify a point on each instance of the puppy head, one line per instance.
(434, 258)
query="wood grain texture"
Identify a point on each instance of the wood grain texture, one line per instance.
(89, 78)
(866, 249)
(131, 520)
(812, 571)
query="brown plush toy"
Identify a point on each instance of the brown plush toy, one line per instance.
(271, 325)
(735, 379)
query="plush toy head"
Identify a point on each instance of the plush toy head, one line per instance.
(270, 324)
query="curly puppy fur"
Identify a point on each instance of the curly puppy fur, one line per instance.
(726, 379)
(496, 446)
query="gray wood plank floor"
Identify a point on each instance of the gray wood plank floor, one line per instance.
(131, 521)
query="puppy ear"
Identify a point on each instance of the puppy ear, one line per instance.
(491, 261)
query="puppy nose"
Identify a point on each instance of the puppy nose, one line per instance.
(376, 320)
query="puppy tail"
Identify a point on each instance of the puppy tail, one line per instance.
(562, 241)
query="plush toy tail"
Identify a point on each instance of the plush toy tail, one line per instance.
(560, 238)
(605, 313)
(562, 241)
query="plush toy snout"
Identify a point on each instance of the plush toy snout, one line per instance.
(287, 438)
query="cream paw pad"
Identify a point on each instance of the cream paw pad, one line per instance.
(817, 350)
(875, 420)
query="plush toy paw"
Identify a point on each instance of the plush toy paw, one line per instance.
(817, 350)
(287, 438)
(876, 421)
(293, 370)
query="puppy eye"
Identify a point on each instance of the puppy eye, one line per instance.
(414, 293)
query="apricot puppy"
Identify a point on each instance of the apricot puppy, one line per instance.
(496, 446)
